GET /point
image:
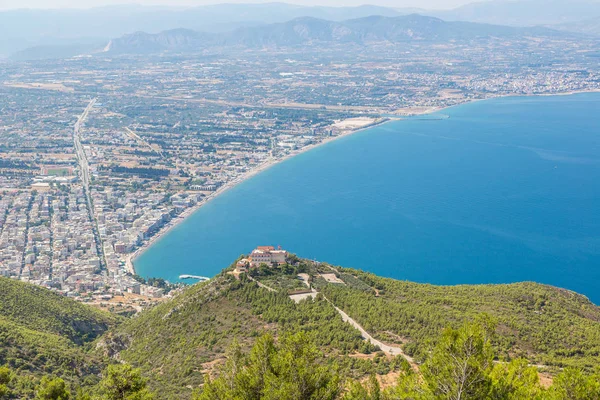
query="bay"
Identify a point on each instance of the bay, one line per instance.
(502, 191)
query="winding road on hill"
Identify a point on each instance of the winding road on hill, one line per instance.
(387, 349)
(391, 350)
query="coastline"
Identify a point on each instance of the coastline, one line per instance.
(130, 259)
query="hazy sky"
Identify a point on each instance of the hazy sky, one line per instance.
(9, 4)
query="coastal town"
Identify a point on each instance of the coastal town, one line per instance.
(78, 205)
(100, 156)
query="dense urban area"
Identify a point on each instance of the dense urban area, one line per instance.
(101, 154)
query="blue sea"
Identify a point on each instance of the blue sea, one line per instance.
(500, 191)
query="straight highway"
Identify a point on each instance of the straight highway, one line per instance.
(84, 173)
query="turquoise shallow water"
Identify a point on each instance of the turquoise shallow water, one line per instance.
(504, 190)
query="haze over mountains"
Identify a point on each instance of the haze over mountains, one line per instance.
(307, 30)
(47, 33)
(587, 27)
(20, 29)
(523, 12)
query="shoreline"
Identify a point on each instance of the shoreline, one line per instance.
(130, 259)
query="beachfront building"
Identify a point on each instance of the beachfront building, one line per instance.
(267, 255)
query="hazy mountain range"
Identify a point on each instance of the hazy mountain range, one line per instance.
(47, 32)
(20, 29)
(587, 27)
(307, 30)
(524, 12)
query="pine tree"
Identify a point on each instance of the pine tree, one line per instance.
(122, 382)
(514, 381)
(459, 367)
(52, 389)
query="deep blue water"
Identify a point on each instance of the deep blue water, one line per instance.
(504, 190)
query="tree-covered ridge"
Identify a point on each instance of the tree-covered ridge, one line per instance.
(181, 344)
(35, 353)
(544, 324)
(176, 342)
(43, 333)
(172, 341)
(460, 367)
(39, 309)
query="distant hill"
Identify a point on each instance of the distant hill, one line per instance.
(146, 43)
(523, 12)
(25, 28)
(307, 30)
(57, 51)
(586, 27)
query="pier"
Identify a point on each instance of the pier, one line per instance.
(200, 278)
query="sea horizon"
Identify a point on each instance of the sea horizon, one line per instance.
(454, 205)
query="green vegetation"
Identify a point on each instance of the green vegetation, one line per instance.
(460, 367)
(543, 324)
(41, 310)
(37, 352)
(52, 389)
(174, 342)
(177, 342)
(119, 382)
(211, 340)
(284, 283)
(44, 333)
(292, 370)
(59, 171)
(158, 283)
(282, 277)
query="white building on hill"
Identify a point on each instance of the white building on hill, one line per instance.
(267, 255)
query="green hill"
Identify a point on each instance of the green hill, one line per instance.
(40, 309)
(44, 333)
(178, 342)
(544, 324)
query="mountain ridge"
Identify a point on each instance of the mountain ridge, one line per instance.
(22, 29)
(522, 13)
(534, 321)
(180, 341)
(586, 27)
(25, 28)
(309, 30)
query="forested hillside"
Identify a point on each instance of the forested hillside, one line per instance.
(208, 339)
(43, 333)
(42, 310)
(547, 325)
(461, 366)
(177, 343)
